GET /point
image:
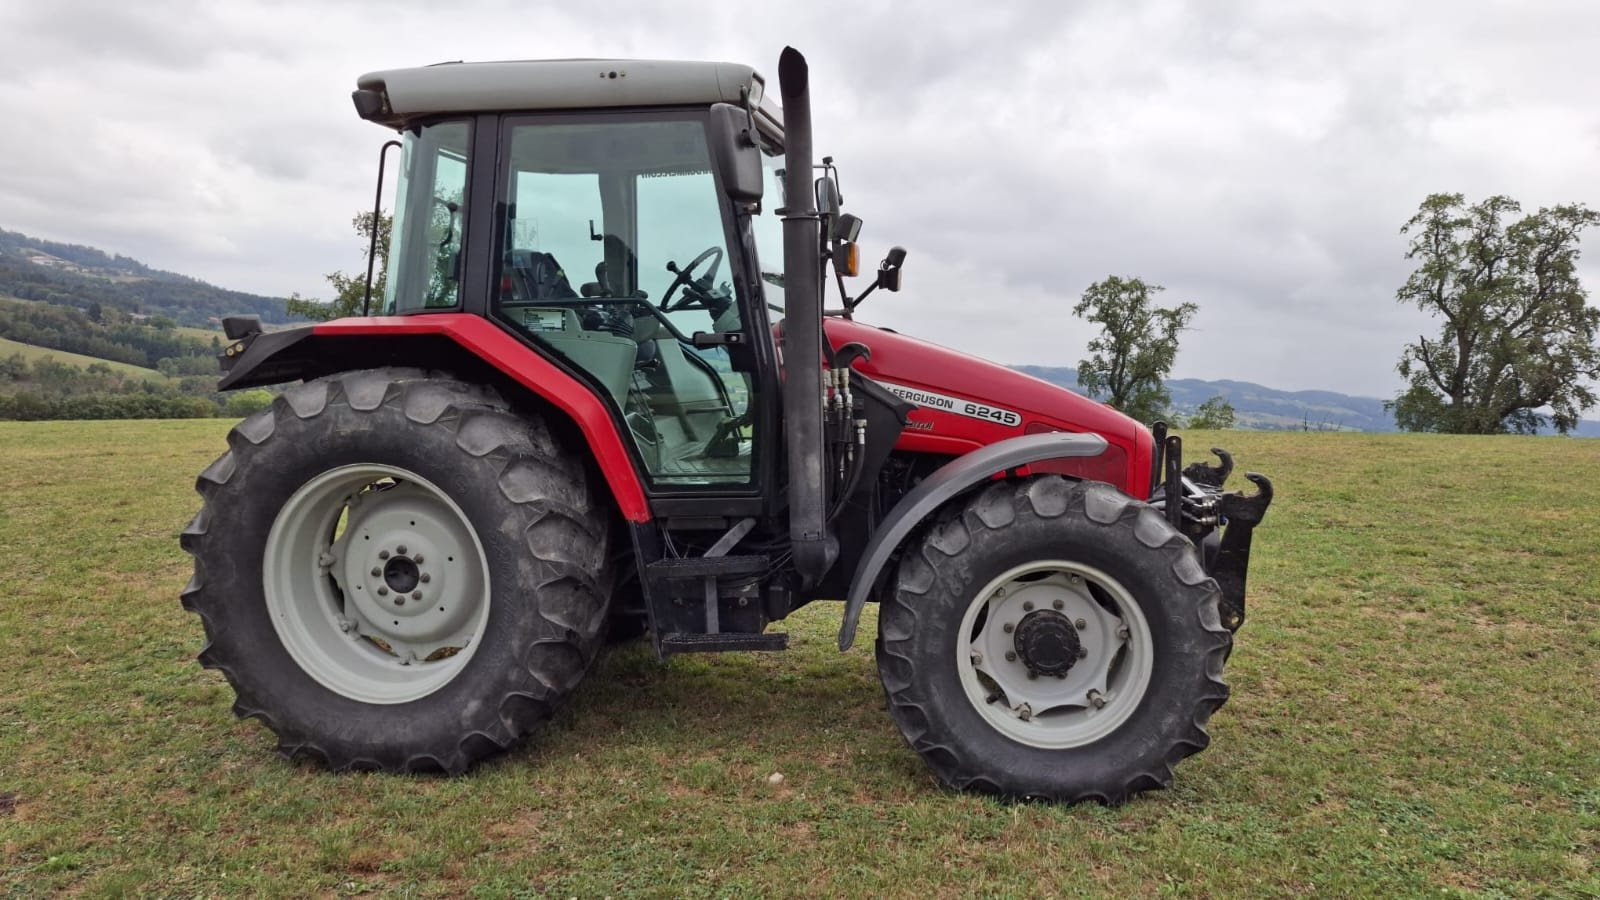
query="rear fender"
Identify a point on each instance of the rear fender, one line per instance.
(948, 481)
(455, 342)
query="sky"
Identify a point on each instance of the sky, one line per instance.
(1254, 157)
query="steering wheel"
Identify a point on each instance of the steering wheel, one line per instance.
(694, 295)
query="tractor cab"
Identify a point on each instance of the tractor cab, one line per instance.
(615, 237)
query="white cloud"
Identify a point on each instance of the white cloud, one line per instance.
(1255, 157)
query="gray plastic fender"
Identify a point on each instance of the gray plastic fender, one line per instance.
(931, 493)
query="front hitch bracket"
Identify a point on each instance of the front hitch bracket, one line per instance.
(1194, 502)
(1239, 514)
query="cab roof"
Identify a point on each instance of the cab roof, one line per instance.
(394, 97)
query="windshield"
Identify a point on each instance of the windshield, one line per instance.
(424, 269)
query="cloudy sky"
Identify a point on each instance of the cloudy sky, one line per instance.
(1257, 158)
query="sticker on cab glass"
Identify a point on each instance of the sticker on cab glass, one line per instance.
(535, 319)
(954, 405)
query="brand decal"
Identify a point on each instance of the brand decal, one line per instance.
(954, 405)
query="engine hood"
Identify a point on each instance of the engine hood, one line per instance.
(965, 402)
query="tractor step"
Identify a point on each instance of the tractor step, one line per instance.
(696, 567)
(680, 642)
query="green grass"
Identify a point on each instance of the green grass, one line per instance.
(31, 352)
(1414, 711)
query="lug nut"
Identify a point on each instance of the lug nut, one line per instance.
(401, 549)
(424, 578)
(383, 592)
(1027, 606)
(1081, 624)
(416, 595)
(1059, 604)
(1083, 653)
(1010, 628)
(399, 601)
(1011, 656)
(383, 554)
(376, 571)
(417, 559)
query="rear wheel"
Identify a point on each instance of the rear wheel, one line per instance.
(1053, 639)
(396, 572)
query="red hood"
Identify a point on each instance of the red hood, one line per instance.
(966, 402)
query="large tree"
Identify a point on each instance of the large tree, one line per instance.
(350, 288)
(1137, 345)
(1518, 336)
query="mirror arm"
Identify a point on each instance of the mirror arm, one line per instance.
(863, 295)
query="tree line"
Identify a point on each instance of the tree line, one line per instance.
(103, 333)
(46, 388)
(1515, 351)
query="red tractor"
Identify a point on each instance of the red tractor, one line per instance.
(604, 395)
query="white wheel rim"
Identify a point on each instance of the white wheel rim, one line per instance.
(336, 557)
(1095, 695)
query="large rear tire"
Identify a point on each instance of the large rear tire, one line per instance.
(1053, 639)
(396, 572)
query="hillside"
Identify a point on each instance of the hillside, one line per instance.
(1269, 409)
(87, 278)
(93, 281)
(32, 352)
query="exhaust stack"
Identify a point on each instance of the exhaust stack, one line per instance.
(813, 545)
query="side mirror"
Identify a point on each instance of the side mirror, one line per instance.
(734, 152)
(889, 269)
(828, 204)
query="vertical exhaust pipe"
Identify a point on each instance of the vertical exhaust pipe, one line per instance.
(813, 546)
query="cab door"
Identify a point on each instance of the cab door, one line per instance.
(619, 248)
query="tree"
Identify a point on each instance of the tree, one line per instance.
(1136, 347)
(350, 289)
(1216, 413)
(1518, 335)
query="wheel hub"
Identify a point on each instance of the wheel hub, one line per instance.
(376, 583)
(401, 574)
(1047, 643)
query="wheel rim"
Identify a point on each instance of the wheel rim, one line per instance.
(1055, 609)
(376, 583)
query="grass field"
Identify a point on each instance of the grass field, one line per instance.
(31, 352)
(1414, 712)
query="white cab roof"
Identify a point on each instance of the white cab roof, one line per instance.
(556, 84)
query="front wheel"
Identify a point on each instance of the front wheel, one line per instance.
(1053, 639)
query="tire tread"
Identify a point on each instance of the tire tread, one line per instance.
(1045, 497)
(484, 428)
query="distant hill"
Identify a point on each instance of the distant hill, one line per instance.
(84, 277)
(1266, 408)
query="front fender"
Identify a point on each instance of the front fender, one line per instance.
(952, 479)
